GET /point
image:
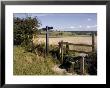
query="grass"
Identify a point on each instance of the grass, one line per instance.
(27, 63)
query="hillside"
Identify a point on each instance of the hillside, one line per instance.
(27, 63)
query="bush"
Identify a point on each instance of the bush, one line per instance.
(29, 47)
(91, 63)
(39, 49)
(24, 28)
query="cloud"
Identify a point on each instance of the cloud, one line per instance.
(77, 28)
(88, 26)
(72, 27)
(89, 19)
(80, 26)
(39, 14)
(92, 26)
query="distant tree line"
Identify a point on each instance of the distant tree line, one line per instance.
(84, 32)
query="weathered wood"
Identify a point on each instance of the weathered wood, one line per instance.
(67, 47)
(61, 52)
(82, 65)
(93, 43)
(79, 51)
(47, 41)
(82, 61)
(72, 67)
(77, 44)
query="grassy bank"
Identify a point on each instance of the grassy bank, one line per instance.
(27, 63)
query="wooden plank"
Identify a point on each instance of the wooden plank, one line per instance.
(79, 51)
(80, 45)
(76, 44)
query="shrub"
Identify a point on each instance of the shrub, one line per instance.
(24, 28)
(91, 63)
(39, 49)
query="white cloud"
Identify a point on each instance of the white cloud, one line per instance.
(89, 19)
(39, 15)
(80, 26)
(72, 27)
(77, 28)
(92, 26)
(88, 26)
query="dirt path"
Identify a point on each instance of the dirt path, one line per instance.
(60, 71)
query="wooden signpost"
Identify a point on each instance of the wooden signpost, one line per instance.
(47, 38)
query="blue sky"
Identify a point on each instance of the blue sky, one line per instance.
(65, 21)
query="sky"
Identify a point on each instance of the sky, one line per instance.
(65, 21)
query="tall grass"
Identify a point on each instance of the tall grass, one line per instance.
(27, 63)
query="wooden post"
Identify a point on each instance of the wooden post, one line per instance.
(82, 65)
(67, 48)
(93, 43)
(61, 52)
(72, 67)
(47, 41)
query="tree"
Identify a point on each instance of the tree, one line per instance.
(24, 29)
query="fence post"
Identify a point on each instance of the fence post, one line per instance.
(67, 47)
(93, 43)
(72, 67)
(82, 65)
(59, 50)
(62, 52)
(47, 41)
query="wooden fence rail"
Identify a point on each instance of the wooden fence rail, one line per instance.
(67, 43)
(61, 51)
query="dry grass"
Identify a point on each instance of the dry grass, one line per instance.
(75, 40)
(54, 41)
(27, 63)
